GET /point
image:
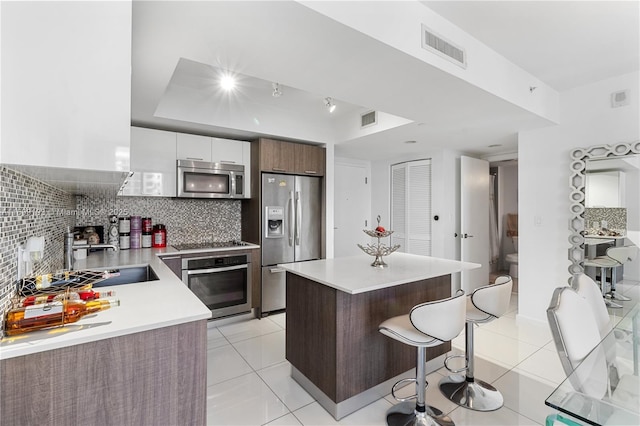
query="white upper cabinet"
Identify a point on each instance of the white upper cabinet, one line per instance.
(154, 154)
(66, 84)
(153, 163)
(605, 189)
(226, 151)
(194, 147)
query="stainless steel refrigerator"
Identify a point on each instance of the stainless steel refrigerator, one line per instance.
(291, 230)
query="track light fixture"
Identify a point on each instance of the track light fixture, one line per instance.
(276, 90)
(328, 102)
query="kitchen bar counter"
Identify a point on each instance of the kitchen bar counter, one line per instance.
(334, 307)
(354, 274)
(141, 363)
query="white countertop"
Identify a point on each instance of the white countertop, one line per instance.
(143, 306)
(605, 236)
(355, 274)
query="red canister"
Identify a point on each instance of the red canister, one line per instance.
(146, 225)
(159, 236)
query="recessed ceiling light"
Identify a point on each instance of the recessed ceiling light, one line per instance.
(495, 145)
(409, 141)
(227, 82)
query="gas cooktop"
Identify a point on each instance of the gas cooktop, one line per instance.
(209, 245)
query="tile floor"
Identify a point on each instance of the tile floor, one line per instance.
(249, 384)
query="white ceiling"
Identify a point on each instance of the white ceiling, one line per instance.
(310, 54)
(564, 43)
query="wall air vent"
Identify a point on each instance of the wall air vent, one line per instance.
(433, 42)
(368, 119)
(619, 99)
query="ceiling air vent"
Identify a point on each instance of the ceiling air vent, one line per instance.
(368, 119)
(433, 42)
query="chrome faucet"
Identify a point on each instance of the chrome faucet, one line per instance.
(69, 248)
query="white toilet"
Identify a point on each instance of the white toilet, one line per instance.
(512, 259)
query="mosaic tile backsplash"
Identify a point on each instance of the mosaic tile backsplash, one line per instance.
(186, 220)
(30, 208)
(615, 219)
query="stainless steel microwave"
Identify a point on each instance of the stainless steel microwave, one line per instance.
(201, 179)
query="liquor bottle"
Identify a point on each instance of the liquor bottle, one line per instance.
(71, 295)
(56, 313)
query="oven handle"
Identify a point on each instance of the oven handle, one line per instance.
(209, 271)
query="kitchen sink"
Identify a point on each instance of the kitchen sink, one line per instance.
(129, 275)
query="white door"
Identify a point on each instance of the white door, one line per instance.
(352, 208)
(474, 221)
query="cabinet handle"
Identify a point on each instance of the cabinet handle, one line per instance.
(194, 158)
(275, 169)
(227, 162)
(310, 172)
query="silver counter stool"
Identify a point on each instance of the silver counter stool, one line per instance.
(621, 255)
(483, 305)
(616, 256)
(427, 324)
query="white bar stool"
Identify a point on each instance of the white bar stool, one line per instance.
(616, 256)
(483, 305)
(427, 324)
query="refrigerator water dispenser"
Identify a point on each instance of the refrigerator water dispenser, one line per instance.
(274, 219)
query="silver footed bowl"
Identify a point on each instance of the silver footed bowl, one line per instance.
(378, 250)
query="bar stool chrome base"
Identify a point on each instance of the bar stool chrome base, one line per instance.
(405, 414)
(611, 304)
(614, 295)
(475, 395)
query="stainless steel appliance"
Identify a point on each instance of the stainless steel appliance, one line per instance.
(200, 179)
(222, 282)
(291, 230)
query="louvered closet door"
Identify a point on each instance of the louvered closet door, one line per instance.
(399, 206)
(411, 206)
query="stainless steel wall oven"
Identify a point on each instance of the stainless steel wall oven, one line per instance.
(222, 282)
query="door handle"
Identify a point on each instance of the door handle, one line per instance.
(298, 217)
(276, 270)
(291, 220)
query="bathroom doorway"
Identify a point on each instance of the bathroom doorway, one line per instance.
(505, 203)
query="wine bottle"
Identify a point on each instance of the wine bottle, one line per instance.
(87, 294)
(75, 279)
(56, 313)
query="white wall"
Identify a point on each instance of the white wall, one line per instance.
(586, 119)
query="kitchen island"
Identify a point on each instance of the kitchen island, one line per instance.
(143, 362)
(334, 307)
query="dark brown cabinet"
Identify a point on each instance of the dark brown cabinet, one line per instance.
(288, 157)
(309, 160)
(277, 156)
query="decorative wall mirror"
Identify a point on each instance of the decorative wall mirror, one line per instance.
(577, 183)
